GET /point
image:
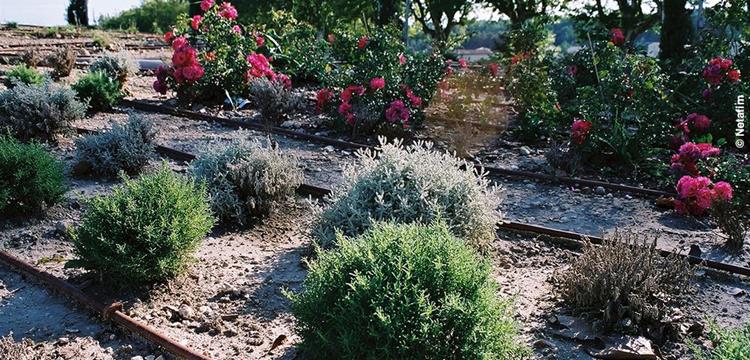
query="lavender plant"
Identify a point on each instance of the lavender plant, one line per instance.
(408, 185)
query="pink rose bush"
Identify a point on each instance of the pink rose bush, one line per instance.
(580, 131)
(698, 193)
(616, 37)
(687, 158)
(379, 86)
(720, 69)
(212, 56)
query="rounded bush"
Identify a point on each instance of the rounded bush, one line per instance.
(404, 292)
(101, 91)
(247, 179)
(30, 178)
(23, 74)
(125, 148)
(145, 231)
(117, 66)
(412, 184)
(39, 111)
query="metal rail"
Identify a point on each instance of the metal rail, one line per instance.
(112, 312)
(163, 109)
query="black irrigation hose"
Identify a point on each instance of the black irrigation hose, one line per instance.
(163, 109)
(577, 238)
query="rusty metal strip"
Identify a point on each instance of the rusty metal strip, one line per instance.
(163, 109)
(579, 238)
(106, 312)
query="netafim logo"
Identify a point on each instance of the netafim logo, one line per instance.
(739, 131)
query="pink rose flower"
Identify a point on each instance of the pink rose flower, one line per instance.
(616, 37)
(397, 112)
(377, 83)
(580, 131)
(179, 43)
(723, 191)
(206, 4)
(195, 22)
(362, 42)
(227, 11)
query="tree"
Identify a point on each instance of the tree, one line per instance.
(78, 13)
(634, 17)
(519, 11)
(675, 30)
(438, 18)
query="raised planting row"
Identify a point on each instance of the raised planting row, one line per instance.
(168, 205)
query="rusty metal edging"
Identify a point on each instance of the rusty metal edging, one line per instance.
(111, 312)
(141, 105)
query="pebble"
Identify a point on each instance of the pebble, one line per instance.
(138, 357)
(186, 312)
(600, 190)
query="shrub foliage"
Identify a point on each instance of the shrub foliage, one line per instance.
(62, 62)
(118, 66)
(273, 100)
(99, 90)
(246, 179)
(30, 178)
(411, 184)
(41, 111)
(145, 231)
(404, 292)
(23, 74)
(624, 278)
(124, 148)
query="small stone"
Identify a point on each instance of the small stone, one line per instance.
(525, 150)
(150, 357)
(600, 190)
(138, 357)
(186, 312)
(542, 344)
(63, 341)
(328, 148)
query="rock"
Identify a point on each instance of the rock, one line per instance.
(186, 312)
(625, 347)
(205, 310)
(328, 148)
(600, 190)
(62, 228)
(138, 357)
(525, 150)
(63, 341)
(543, 344)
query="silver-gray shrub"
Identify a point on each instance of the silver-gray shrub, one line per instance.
(39, 111)
(246, 179)
(118, 66)
(273, 100)
(125, 148)
(409, 185)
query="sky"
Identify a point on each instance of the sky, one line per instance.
(52, 12)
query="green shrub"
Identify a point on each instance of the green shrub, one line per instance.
(123, 148)
(23, 74)
(30, 178)
(412, 184)
(39, 111)
(624, 278)
(118, 66)
(247, 179)
(273, 100)
(100, 91)
(145, 231)
(153, 16)
(404, 292)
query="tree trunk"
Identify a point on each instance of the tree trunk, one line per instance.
(675, 31)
